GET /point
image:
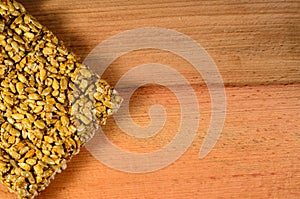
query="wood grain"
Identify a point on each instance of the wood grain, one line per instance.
(256, 46)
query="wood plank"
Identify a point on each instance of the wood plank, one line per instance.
(256, 46)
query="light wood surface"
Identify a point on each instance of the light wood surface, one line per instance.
(256, 46)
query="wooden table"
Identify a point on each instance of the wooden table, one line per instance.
(256, 46)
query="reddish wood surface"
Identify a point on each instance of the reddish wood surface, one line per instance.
(256, 45)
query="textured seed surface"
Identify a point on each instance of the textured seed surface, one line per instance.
(49, 102)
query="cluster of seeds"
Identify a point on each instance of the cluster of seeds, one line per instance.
(93, 101)
(49, 102)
